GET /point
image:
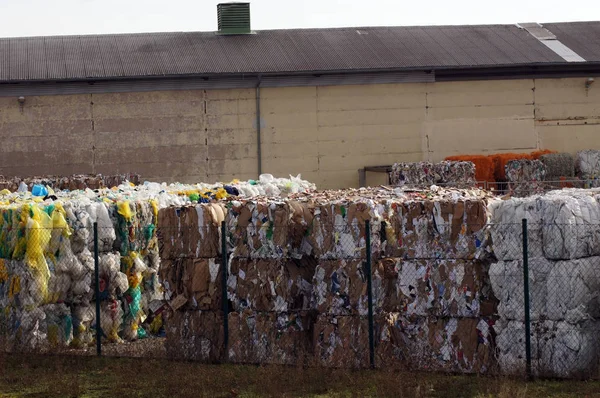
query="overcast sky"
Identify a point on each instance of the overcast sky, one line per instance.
(63, 17)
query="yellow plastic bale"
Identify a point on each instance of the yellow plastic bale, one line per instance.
(124, 209)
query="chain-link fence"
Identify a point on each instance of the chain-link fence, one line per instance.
(517, 299)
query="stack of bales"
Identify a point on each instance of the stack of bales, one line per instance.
(72, 183)
(297, 285)
(47, 265)
(564, 277)
(424, 174)
(46, 290)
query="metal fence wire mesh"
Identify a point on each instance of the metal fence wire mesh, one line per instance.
(518, 299)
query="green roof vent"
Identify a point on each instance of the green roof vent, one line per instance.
(234, 18)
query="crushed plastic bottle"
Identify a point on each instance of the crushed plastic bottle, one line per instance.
(39, 190)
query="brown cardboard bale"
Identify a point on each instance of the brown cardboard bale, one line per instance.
(419, 343)
(341, 341)
(338, 230)
(191, 231)
(435, 228)
(457, 288)
(268, 338)
(198, 280)
(194, 335)
(340, 287)
(259, 229)
(270, 284)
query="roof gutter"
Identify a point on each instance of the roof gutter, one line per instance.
(508, 68)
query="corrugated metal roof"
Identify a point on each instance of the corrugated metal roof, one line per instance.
(581, 37)
(286, 51)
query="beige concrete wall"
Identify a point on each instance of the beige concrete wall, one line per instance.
(324, 133)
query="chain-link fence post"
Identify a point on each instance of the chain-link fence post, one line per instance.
(224, 291)
(370, 294)
(97, 293)
(526, 298)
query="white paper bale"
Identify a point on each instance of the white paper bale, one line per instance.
(506, 227)
(573, 288)
(588, 162)
(570, 227)
(506, 278)
(558, 349)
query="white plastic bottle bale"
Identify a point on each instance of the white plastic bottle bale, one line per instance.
(83, 286)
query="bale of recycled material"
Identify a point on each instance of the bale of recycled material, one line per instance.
(340, 287)
(444, 288)
(341, 341)
(588, 163)
(561, 225)
(429, 343)
(525, 177)
(270, 284)
(455, 174)
(196, 280)
(500, 160)
(259, 228)
(445, 227)
(269, 338)
(414, 173)
(558, 165)
(558, 349)
(195, 335)
(190, 231)
(536, 155)
(425, 174)
(484, 166)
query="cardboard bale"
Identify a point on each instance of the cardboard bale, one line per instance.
(195, 335)
(338, 230)
(259, 229)
(445, 288)
(428, 343)
(436, 229)
(341, 341)
(268, 338)
(197, 280)
(190, 231)
(340, 287)
(558, 348)
(270, 285)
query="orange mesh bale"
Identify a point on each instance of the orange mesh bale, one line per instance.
(484, 167)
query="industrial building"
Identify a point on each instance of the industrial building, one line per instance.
(210, 106)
